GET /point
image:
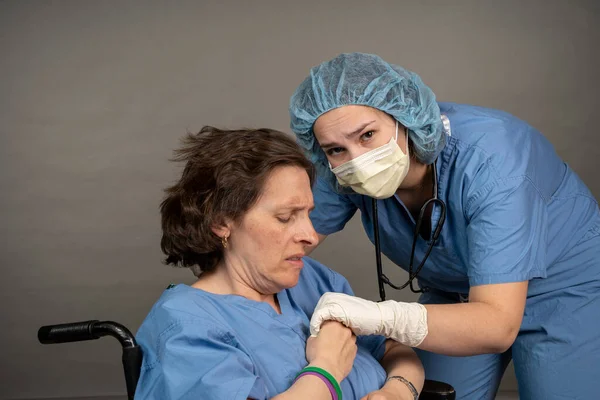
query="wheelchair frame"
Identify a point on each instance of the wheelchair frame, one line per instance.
(132, 353)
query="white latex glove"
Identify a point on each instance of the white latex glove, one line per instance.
(403, 322)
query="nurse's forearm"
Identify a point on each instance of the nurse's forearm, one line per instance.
(466, 329)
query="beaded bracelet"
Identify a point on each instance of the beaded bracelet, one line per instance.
(330, 381)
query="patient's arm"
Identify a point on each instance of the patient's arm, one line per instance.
(307, 387)
(400, 360)
(334, 350)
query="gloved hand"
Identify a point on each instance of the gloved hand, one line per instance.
(403, 322)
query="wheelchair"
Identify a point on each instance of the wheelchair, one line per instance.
(132, 353)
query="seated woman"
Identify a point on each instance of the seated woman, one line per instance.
(240, 212)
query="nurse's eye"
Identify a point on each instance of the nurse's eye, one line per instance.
(334, 151)
(365, 137)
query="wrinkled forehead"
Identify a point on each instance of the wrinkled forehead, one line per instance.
(346, 120)
(287, 187)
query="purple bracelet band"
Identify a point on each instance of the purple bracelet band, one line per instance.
(329, 385)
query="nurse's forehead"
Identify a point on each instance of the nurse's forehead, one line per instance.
(346, 120)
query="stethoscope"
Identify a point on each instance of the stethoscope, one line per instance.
(382, 279)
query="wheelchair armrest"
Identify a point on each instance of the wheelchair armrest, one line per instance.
(435, 390)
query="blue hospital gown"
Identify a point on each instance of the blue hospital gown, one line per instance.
(515, 212)
(199, 345)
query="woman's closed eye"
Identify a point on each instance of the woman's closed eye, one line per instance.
(284, 218)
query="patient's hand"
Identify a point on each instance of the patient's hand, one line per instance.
(382, 394)
(333, 349)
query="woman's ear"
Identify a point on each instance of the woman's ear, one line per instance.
(223, 229)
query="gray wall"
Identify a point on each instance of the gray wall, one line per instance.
(95, 94)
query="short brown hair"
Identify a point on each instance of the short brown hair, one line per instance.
(224, 175)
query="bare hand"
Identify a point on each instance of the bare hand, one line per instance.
(333, 349)
(382, 394)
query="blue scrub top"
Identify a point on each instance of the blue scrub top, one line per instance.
(200, 345)
(514, 210)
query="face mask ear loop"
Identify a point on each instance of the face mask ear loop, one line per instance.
(406, 133)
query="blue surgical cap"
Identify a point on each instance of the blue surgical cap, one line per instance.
(366, 79)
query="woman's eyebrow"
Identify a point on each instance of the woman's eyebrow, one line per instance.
(348, 135)
(295, 207)
(358, 130)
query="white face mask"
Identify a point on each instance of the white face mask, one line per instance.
(377, 173)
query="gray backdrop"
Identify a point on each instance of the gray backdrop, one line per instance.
(94, 96)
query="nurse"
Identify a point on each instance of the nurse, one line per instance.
(514, 267)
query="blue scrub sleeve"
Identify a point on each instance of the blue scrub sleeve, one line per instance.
(506, 232)
(197, 360)
(332, 210)
(375, 344)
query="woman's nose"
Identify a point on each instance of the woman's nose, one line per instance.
(307, 233)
